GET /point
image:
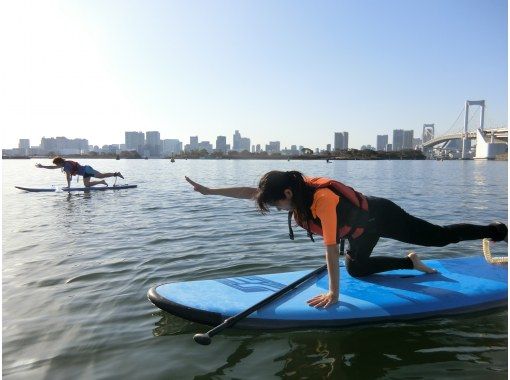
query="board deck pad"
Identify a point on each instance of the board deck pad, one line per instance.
(462, 285)
(65, 189)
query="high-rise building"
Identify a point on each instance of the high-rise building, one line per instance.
(24, 147)
(171, 146)
(382, 142)
(346, 140)
(236, 141)
(341, 141)
(273, 147)
(193, 143)
(240, 144)
(408, 139)
(135, 141)
(221, 144)
(398, 139)
(245, 144)
(153, 142)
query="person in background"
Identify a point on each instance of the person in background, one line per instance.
(335, 211)
(72, 168)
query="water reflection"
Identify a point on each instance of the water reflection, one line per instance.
(365, 352)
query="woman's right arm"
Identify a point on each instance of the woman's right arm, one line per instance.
(232, 192)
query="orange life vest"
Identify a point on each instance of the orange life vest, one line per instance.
(351, 211)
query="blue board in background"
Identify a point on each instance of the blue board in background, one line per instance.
(462, 285)
(92, 188)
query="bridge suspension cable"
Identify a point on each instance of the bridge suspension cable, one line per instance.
(451, 129)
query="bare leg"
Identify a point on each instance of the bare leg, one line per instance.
(87, 182)
(107, 175)
(418, 264)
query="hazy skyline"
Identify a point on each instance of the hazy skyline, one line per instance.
(288, 71)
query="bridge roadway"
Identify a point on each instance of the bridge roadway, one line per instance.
(500, 134)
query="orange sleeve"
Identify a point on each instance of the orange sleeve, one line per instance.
(324, 207)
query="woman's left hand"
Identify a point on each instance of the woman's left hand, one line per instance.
(323, 300)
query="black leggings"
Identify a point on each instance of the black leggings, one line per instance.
(388, 220)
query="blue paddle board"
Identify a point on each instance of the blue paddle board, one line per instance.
(92, 188)
(462, 285)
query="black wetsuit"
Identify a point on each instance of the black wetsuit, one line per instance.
(388, 220)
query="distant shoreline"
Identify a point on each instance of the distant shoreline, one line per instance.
(354, 155)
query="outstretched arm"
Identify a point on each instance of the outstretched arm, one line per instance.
(232, 192)
(47, 167)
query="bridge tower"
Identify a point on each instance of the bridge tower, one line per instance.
(465, 139)
(428, 132)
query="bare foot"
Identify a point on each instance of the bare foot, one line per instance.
(103, 182)
(418, 264)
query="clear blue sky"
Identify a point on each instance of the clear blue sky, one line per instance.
(293, 71)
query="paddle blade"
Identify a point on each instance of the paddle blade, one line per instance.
(203, 339)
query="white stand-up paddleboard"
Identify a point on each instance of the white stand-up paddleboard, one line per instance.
(91, 188)
(462, 285)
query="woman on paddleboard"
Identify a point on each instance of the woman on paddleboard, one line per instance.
(73, 168)
(336, 212)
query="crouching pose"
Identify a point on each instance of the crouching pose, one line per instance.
(335, 211)
(73, 168)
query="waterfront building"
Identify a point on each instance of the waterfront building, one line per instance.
(112, 148)
(408, 139)
(221, 144)
(382, 142)
(236, 141)
(273, 147)
(171, 147)
(205, 145)
(24, 147)
(193, 143)
(134, 141)
(64, 146)
(398, 139)
(245, 144)
(153, 142)
(341, 141)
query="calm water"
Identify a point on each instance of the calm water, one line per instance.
(76, 270)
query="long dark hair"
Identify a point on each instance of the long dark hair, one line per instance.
(58, 161)
(271, 189)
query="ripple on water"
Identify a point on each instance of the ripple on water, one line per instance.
(76, 271)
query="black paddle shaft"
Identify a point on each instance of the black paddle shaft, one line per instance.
(229, 322)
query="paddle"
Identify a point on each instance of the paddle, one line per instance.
(205, 339)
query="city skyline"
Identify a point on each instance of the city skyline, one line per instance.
(292, 72)
(154, 144)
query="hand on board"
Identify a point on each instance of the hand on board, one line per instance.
(323, 300)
